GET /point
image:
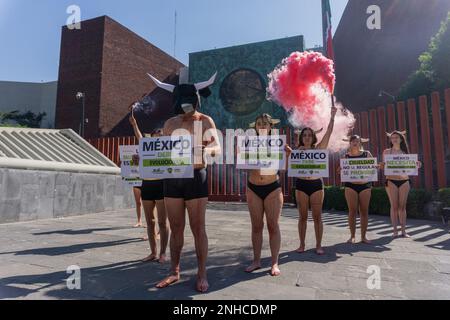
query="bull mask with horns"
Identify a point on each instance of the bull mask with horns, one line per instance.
(186, 96)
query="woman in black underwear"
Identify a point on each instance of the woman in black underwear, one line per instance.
(265, 197)
(398, 187)
(358, 193)
(152, 193)
(310, 191)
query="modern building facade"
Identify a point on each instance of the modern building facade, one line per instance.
(109, 64)
(28, 96)
(239, 93)
(370, 61)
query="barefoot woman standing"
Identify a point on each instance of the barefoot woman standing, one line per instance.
(310, 191)
(265, 198)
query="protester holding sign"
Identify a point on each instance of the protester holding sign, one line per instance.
(265, 197)
(310, 189)
(399, 164)
(152, 194)
(361, 169)
(189, 193)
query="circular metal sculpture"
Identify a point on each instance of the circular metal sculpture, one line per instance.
(243, 92)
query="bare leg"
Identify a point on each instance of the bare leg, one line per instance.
(164, 229)
(403, 200)
(256, 208)
(149, 210)
(352, 202)
(303, 209)
(392, 192)
(316, 206)
(364, 200)
(176, 213)
(137, 199)
(197, 212)
(273, 205)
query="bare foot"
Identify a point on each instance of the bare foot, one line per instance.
(275, 272)
(170, 280)
(254, 267)
(301, 249)
(162, 259)
(150, 258)
(366, 241)
(320, 251)
(406, 236)
(202, 285)
(138, 225)
(352, 241)
(395, 235)
(145, 239)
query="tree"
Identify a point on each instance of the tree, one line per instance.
(27, 119)
(434, 70)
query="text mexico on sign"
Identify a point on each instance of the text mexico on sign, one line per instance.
(401, 165)
(166, 158)
(309, 164)
(261, 152)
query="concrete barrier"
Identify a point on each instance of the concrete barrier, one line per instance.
(27, 195)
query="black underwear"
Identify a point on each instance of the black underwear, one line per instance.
(188, 189)
(358, 187)
(152, 190)
(264, 191)
(309, 187)
(398, 183)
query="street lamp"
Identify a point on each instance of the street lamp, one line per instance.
(384, 93)
(81, 96)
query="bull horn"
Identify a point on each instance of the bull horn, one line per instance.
(162, 85)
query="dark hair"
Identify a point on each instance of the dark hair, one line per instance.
(267, 117)
(300, 137)
(357, 137)
(156, 131)
(403, 144)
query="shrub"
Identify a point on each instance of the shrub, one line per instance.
(335, 199)
(417, 200)
(379, 204)
(444, 196)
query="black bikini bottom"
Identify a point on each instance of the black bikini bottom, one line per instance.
(309, 187)
(264, 191)
(358, 188)
(398, 183)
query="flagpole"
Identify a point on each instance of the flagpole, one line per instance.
(327, 33)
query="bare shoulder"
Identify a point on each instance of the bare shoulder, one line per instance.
(170, 125)
(207, 120)
(386, 151)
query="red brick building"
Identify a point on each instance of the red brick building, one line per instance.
(368, 61)
(108, 63)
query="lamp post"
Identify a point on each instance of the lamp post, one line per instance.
(384, 93)
(81, 96)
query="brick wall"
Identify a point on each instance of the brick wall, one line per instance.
(109, 63)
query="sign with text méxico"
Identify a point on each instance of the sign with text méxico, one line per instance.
(128, 169)
(309, 164)
(261, 153)
(166, 158)
(401, 165)
(359, 170)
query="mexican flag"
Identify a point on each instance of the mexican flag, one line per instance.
(327, 30)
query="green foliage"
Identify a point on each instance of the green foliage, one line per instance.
(444, 196)
(379, 203)
(335, 199)
(434, 71)
(417, 200)
(21, 120)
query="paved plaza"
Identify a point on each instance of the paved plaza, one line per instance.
(34, 257)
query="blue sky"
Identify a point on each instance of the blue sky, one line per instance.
(30, 30)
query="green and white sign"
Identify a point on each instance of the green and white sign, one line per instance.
(128, 169)
(309, 164)
(166, 158)
(401, 165)
(261, 153)
(359, 170)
